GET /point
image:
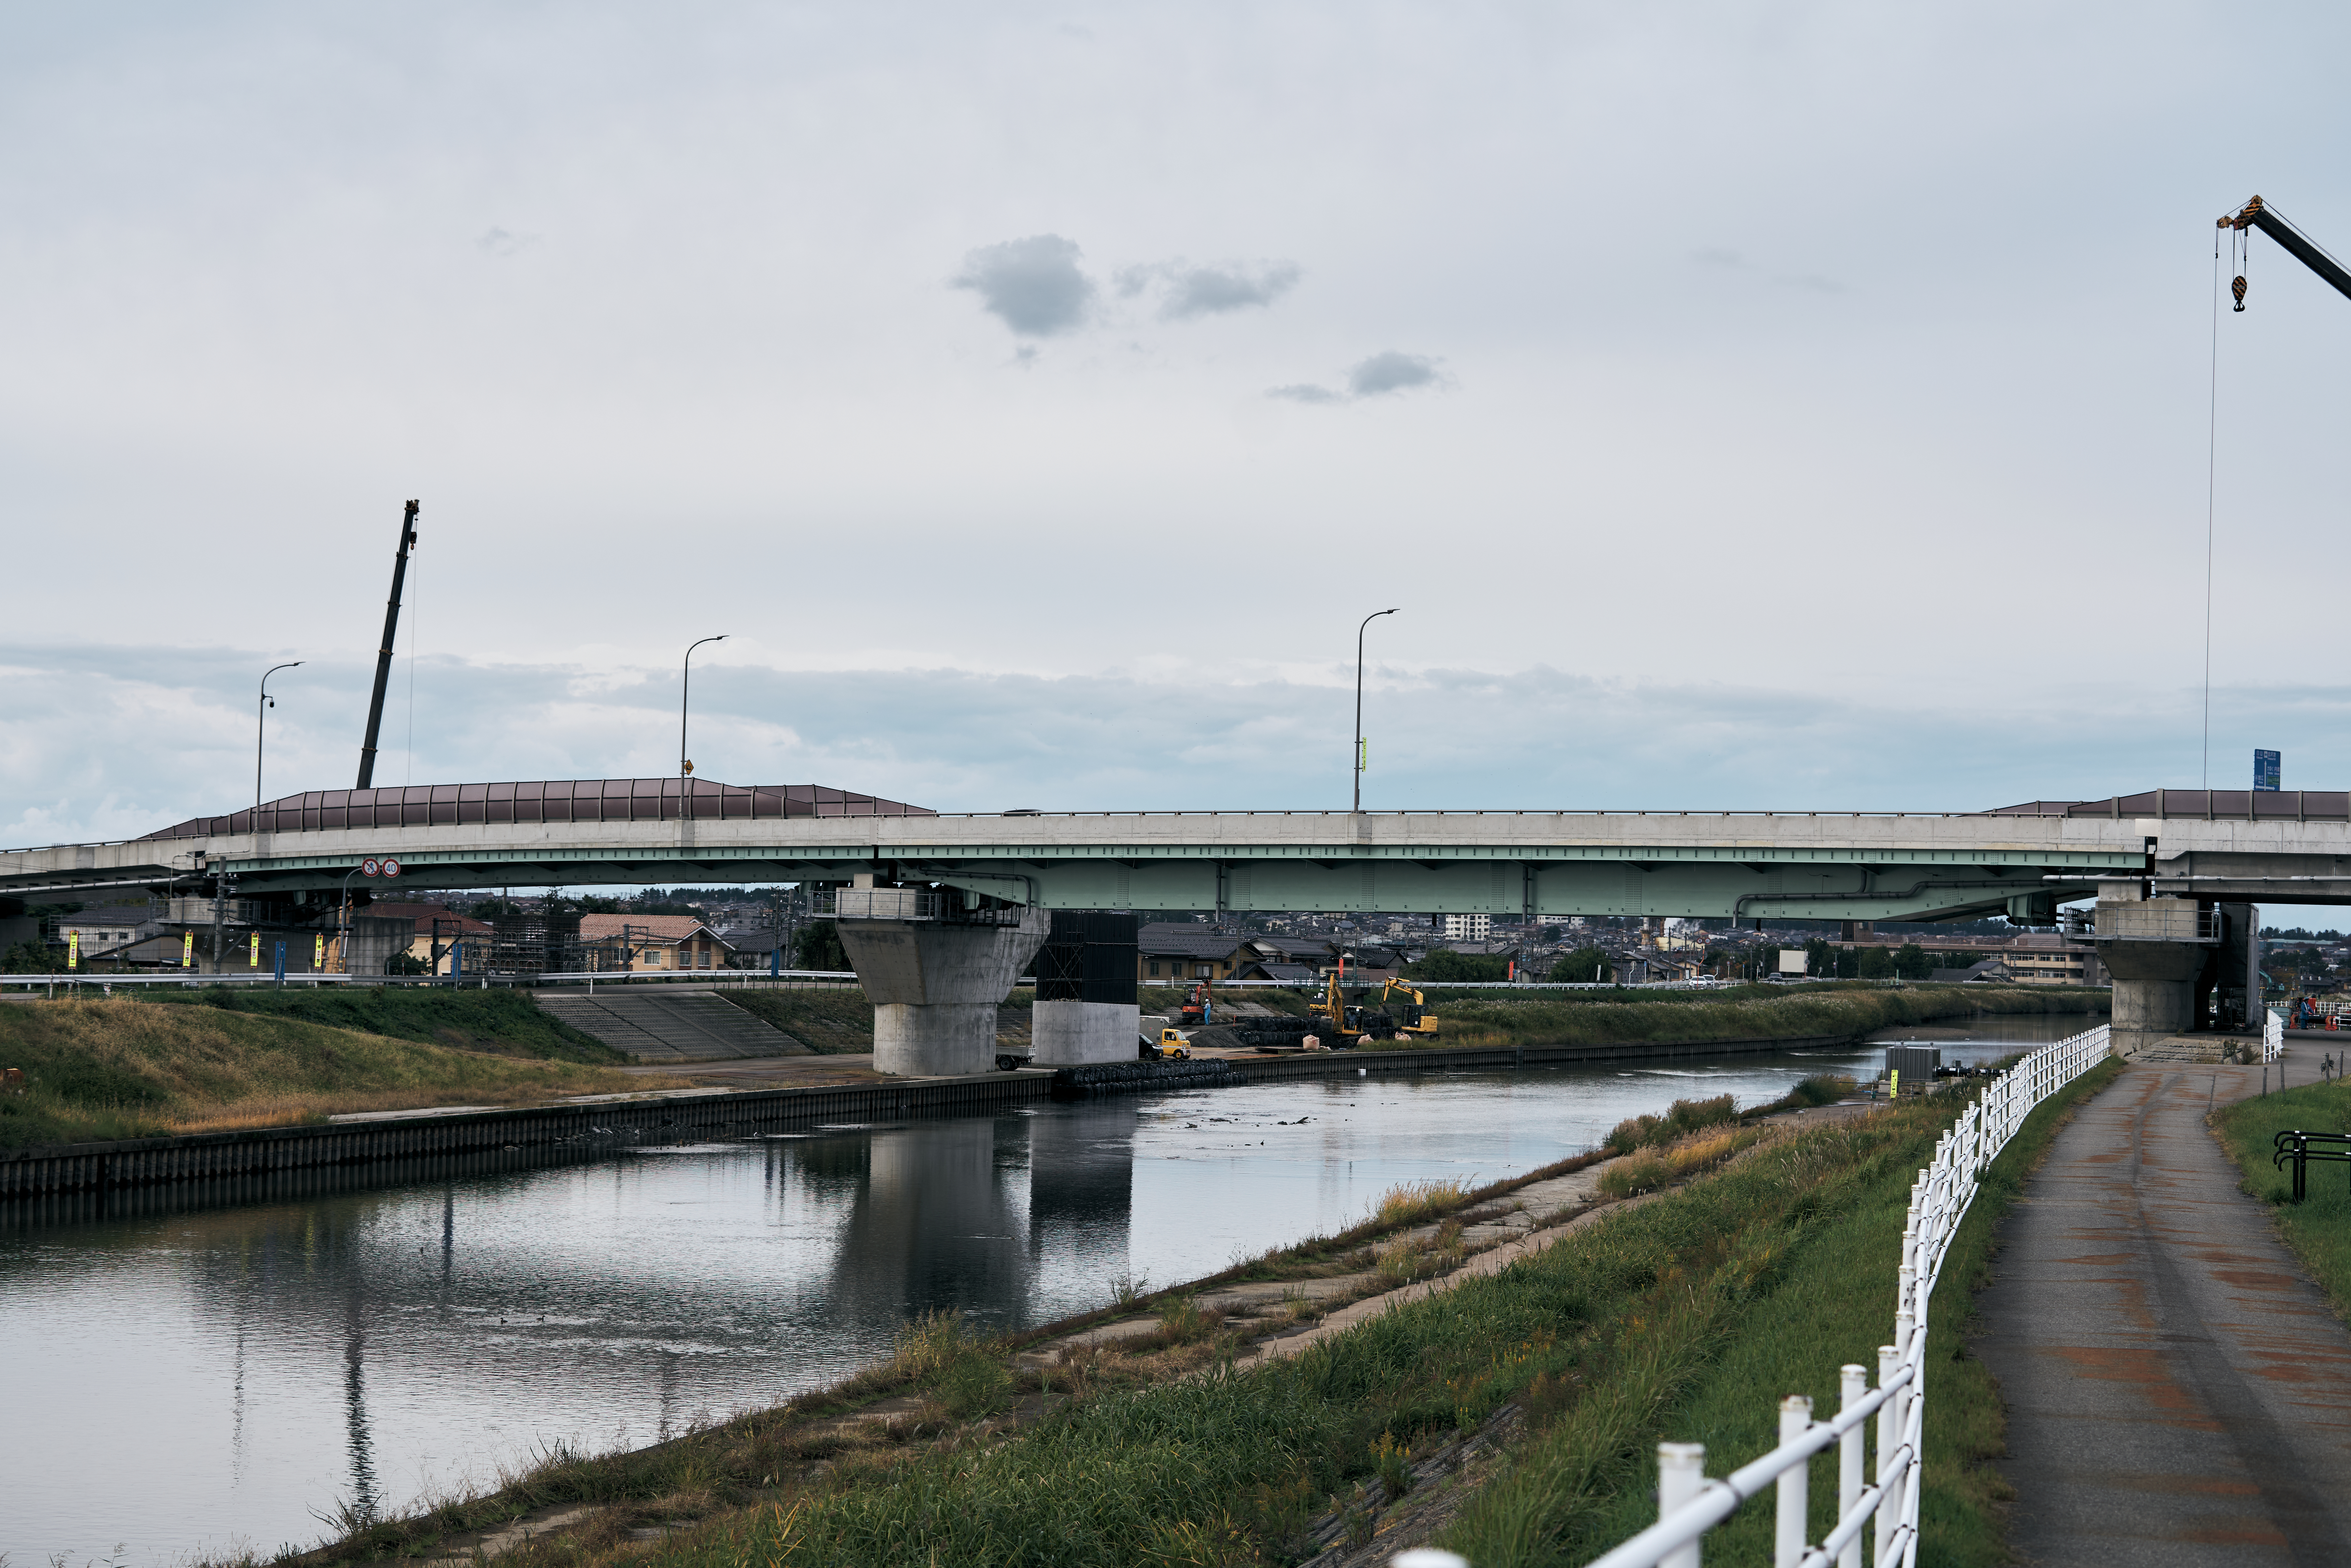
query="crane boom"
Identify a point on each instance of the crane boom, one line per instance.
(390, 636)
(2256, 213)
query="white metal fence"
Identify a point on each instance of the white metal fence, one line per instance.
(1880, 1500)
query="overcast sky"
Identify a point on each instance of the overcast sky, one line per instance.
(1798, 406)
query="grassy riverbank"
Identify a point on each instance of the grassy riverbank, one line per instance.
(2318, 1228)
(129, 1069)
(1751, 1012)
(1830, 1304)
(1687, 1315)
(502, 1022)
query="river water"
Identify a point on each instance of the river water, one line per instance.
(197, 1385)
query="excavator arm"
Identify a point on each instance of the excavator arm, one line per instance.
(2257, 214)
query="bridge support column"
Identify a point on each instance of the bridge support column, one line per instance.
(936, 986)
(2151, 950)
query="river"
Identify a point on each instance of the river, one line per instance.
(196, 1386)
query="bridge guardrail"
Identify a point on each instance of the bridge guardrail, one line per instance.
(1688, 1504)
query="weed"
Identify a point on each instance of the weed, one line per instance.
(1392, 1462)
(1418, 1200)
(975, 1385)
(1183, 1322)
(1636, 1173)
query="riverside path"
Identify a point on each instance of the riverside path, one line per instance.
(2178, 1391)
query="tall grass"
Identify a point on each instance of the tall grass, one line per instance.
(1415, 1201)
(125, 1069)
(1682, 1118)
(2318, 1228)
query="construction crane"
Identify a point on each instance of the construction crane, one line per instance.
(2259, 214)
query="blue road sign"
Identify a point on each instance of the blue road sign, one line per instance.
(2266, 772)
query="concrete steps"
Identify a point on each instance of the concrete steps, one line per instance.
(2190, 1050)
(670, 1025)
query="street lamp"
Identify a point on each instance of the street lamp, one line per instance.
(685, 686)
(1374, 615)
(260, 716)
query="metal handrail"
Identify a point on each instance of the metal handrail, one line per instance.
(1688, 1505)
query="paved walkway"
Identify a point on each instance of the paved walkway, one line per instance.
(2178, 1391)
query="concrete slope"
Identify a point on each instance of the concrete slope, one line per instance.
(2178, 1391)
(670, 1025)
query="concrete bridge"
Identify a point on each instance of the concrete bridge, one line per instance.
(2182, 854)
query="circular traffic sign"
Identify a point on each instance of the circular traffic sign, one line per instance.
(367, 867)
(391, 866)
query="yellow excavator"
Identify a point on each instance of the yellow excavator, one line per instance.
(1409, 1009)
(1400, 1009)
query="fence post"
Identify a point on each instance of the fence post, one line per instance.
(1889, 1437)
(1788, 1541)
(1681, 1471)
(1853, 1384)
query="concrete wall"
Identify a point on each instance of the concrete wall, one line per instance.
(1071, 1034)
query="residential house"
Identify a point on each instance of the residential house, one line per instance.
(1168, 953)
(661, 944)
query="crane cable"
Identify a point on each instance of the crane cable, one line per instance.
(2211, 471)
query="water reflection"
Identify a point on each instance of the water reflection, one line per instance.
(365, 1348)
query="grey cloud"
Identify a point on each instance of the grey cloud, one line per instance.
(1032, 284)
(1391, 373)
(1305, 391)
(1717, 255)
(1212, 290)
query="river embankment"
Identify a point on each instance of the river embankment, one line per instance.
(127, 1068)
(1485, 1368)
(1844, 1010)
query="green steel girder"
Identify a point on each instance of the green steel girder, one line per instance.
(1621, 880)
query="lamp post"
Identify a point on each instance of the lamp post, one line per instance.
(1374, 615)
(260, 717)
(685, 689)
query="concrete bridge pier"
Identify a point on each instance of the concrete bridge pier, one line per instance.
(2170, 958)
(2155, 991)
(935, 983)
